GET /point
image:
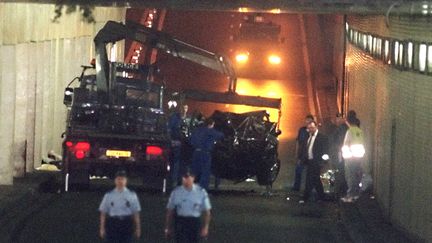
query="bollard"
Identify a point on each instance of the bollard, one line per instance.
(67, 182)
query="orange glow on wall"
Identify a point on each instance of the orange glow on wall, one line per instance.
(264, 88)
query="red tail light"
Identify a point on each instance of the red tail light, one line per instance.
(79, 149)
(79, 154)
(154, 150)
(84, 146)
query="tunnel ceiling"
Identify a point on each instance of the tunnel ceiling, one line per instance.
(274, 6)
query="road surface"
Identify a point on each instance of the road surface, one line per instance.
(239, 216)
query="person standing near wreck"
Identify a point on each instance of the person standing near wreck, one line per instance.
(203, 140)
(353, 152)
(175, 131)
(316, 155)
(302, 136)
(337, 140)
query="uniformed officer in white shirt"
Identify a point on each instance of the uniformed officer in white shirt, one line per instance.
(187, 204)
(119, 212)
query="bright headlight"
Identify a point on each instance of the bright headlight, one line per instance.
(242, 57)
(274, 59)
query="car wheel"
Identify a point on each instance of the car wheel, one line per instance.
(268, 172)
(274, 170)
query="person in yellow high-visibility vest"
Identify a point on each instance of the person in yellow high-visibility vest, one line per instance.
(353, 151)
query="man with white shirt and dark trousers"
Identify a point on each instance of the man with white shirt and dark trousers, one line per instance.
(188, 211)
(316, 154)
(120, 213)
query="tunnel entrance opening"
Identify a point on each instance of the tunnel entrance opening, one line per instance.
(307, 51)
(308, 75)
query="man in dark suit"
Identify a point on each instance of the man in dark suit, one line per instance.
(315, 155)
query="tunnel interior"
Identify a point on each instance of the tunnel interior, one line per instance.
(370, 56)
(312, 56)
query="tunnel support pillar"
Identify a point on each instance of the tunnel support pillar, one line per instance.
(307, 66)
(7, 101)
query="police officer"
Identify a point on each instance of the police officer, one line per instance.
(174, 128)
(186, 205)
(119, 213)
(203, 139)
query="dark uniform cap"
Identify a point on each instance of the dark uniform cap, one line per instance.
(188, 172)
(120, 173)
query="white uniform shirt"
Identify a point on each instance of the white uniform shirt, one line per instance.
(310, 144)
(189, 203)
(120, 203)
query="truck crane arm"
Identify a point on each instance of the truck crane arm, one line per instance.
(114, 31)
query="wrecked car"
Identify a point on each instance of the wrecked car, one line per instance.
(250, 147)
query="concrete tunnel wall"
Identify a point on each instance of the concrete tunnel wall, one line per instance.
(394, 105)
(38, 58)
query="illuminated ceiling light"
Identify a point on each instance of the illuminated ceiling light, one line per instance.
(274, 59)
(275, 11)
(422, 55)
(243, 10)
(242, 57)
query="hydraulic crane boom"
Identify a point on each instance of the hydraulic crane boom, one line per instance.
(114, 31)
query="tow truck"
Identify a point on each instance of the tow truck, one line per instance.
(116, 116)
